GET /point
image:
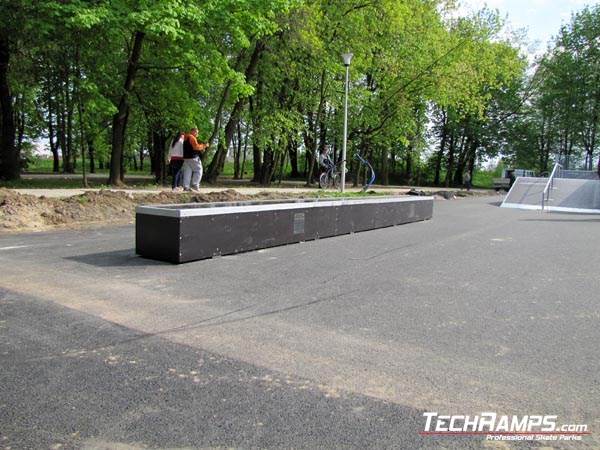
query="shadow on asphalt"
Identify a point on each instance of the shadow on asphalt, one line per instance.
(91, 384)
(117, 258)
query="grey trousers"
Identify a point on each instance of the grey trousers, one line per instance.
(192, 170)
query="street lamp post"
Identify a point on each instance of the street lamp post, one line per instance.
(347, 57)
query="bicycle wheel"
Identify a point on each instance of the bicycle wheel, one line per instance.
(337, 181)
(324, 180)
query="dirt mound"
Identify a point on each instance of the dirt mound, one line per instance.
(19, 213)
(29, 213)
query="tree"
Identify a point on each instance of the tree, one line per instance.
(243, 30)
(117, 78)
(12, 28)
(572, 84)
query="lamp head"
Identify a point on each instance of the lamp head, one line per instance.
(347, 57)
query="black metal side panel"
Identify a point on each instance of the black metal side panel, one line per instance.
(356, 218)
(214, 231)
(320, 223)
(157, 237)
(208, 236)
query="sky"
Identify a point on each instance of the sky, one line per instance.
(542, 18)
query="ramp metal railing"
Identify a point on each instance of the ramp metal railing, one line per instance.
(556, 173)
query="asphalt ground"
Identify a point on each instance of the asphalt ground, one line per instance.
(342, 343)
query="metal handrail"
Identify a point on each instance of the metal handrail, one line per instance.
(366, 164)
(556, 172)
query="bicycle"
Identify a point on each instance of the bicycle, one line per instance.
(329, 178)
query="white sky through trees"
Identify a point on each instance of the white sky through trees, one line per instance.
(541, 18)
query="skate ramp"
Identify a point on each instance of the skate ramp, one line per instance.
(525, 193)
(579, 174)
(566, 195)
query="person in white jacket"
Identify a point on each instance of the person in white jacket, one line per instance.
(176, 160)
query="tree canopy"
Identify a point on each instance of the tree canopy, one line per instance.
(431, 93)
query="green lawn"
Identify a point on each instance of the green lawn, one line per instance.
(140, 179)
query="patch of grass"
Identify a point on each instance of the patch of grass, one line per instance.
(336, 194)
(46, 166)
(42, 184)
(144, 180)
(66, 183)
(40, 165)
(483, 179)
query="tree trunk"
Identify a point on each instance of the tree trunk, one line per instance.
(82, 142)
(267, 168)
(51, 132)
(409, 165)
(19, 131)
(60, 130)
(293, 152)
(224, 98)
(70, 161)
(414, 152)
(92, 155)
(310, 146)
(9, 157)
(159, 144)
(256, 163)
(244, 153)
(282, 161)
(240, 156)
(237, 152)
(119, 124)
(256, 149)
(313, 148)
(450, 168)
(440, 156)
(216, 165)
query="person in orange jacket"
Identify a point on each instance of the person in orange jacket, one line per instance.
(192, 165)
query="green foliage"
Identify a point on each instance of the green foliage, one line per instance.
(569, 92)
(421, 76)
